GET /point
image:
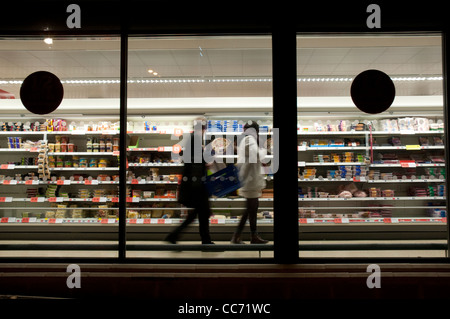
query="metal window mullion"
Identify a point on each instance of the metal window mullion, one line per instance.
(123, 145)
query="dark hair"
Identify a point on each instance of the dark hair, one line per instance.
(252, 124)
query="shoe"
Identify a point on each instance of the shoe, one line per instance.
(258, 240)
(236, 239)
(171, 239)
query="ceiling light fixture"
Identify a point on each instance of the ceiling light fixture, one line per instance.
(48, 41)
(226, 80)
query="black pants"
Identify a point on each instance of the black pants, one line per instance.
(250, 214)
(202, 211)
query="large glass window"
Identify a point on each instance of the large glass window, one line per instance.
(59, 171)
(372, 179)
(176, 86)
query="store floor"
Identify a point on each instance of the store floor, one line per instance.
(98, 253)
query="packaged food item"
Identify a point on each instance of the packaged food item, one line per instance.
(103, 211)
(146, 214)
(93, 162)
(75, 161)
(421, 124)
(115, 146)
(148, 194)
(133, 214)
(423, 141)
(88, 144)
(84, 193)
(83, 162)
(77, 213)
(103, 162)
(49, 214)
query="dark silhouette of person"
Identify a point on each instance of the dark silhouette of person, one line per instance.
(192, 189)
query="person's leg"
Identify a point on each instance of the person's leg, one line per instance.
(252, 207)
(173, 236)
(236, 239)
(204, 212)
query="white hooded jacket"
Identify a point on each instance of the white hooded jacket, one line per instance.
(249, 164)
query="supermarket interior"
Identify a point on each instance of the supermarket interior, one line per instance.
(98, 179)
(362, 178)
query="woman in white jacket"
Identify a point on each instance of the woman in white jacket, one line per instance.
(251, 179)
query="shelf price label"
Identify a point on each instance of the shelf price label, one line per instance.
(341, 220)
(407, 164)
(178, 131)
(91, 182)
(31, 182)
(413, 147)
(176, 149)
(37, 199)
(390, 220)
(133, 199)
(6, 199)
(4, 220)
(115, 199)
(107, 221)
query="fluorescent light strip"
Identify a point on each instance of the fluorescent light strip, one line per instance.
(229, 80)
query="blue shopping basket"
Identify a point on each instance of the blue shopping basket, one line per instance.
(223, 182)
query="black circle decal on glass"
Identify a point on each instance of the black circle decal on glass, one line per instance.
(372, 91)
(41, 92)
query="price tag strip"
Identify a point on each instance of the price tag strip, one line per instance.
(220, 221)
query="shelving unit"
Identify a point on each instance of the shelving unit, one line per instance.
(349, 194)
(152, 179)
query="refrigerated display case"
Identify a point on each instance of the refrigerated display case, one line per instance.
(371, 177)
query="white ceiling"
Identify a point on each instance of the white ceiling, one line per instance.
(221, 57)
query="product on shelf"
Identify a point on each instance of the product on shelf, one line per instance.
(19, 126)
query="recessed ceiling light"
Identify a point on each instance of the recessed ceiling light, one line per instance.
(155, 73)
(48, 40)
(150, 71)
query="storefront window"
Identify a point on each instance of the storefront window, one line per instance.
(176, 85)
(372, 179)
(59, 170)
